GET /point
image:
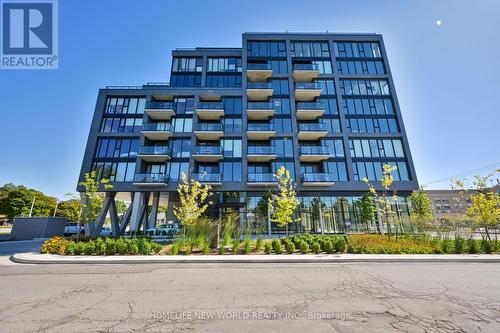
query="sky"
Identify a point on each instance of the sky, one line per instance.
(447, 76)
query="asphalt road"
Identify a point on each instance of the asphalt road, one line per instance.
(394, 297)
(11, 247)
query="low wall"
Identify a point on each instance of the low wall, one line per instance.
(37, 227)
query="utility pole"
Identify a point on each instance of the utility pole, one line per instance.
(32, 205)
(55, 210)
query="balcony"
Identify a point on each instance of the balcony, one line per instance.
(150, 179)
(307, 92)
(259, 91)
(157, 131)
(305, 72)
(208, 131)
(160, 110)
(261, 179)
(261, 153)
(314, 153)
(210, 110)
(317, 179)
(309, 110)
(154, 153)
(259, 72)
(312, 131)
(208, 178)
(260, 110)
(260, 131)
(207, 153)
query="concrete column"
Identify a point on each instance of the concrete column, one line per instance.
(154, 210)
(137, 210)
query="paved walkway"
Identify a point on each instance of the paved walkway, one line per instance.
(35, 258)
(10, 247)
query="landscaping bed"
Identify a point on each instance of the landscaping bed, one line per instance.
(297, 244)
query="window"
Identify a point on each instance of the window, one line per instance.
(233, 105)
(325, 67)
(310, 49)
(280, 87)
(373, 171)
(231, 147)
(327, 87)
(117, 148)
(364, 87)
(337, 170)
(187, 64)
(367, 106)
(372, 125)
(125, 105)
(357, 50)
(266, 49)
(284, 147)
(376, 148)
(183, 105)
(360, 67)
(279, 66)
(281, 105)
(232, 125)
(282, 125)
(121, 125)
(231, 171)
(335, 146)
(290, 166)
(176, 169)
(182, 125)
(181, 147)
(332, 124)
(330, 105)
(213, 80)
(224, 65)
(185, 80)
(115, 172)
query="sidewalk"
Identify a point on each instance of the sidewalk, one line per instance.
(35, 258)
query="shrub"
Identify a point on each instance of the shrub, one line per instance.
(340, 245)
(227, 238)
(100, 247)
(89, 248)
(471, 245)
(459, 245)
(258, 244)
(267, 248)
(290, 247)
(236, 247)
(221, 250)
(448, 246)
(277, 246)
(133, 247)
(70, 248)
(316, 248)
(304, 247)
(55, 245)
(328, 247)
(486, 246)
(248, 247)
(175, 249)
(79, 248)
(206, 248)
(145, 246)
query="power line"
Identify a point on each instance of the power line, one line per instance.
(461, 174)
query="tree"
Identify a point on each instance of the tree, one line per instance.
(121, 207)
(17, 201)
(485, 204)
(421, 208)
(92, 200)
(383, 201)
(194, 201)
(285, 202)
(367, 209)
(70, 209)
(316, 211)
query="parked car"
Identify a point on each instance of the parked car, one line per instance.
(73, 228)
(164, 230)
(106, 232)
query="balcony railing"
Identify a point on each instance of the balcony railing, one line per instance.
(306, 67)
(261, 178)
(314, 150)
(207, 177)
(160, 105)
(260, 106)
(150, 178)
(259, 67)
(313, 127)
(317, 178)
(205, 127)
(158, 127)
(210, 106)
(261, 150)
(154, 150)
(207, 150)
(310, 106)
(260, 127)
(308, 86)
(260, 85)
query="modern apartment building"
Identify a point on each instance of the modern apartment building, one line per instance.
(323, 105)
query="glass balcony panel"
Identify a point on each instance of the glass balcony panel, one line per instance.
(207, 150)
(154, 150)
(317, 177)
(313, 127)
(310, 106)
(314, 150)
(260, 85)
(261, 150)
(208, 127)
(207, 177)
(150, 178)
(308, 86)
(306, 67)
(260, 106)
(261, 178)
(161, 127)
(210, 105)
(259, 67)
(260, 127)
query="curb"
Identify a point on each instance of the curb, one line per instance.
(35, 258)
